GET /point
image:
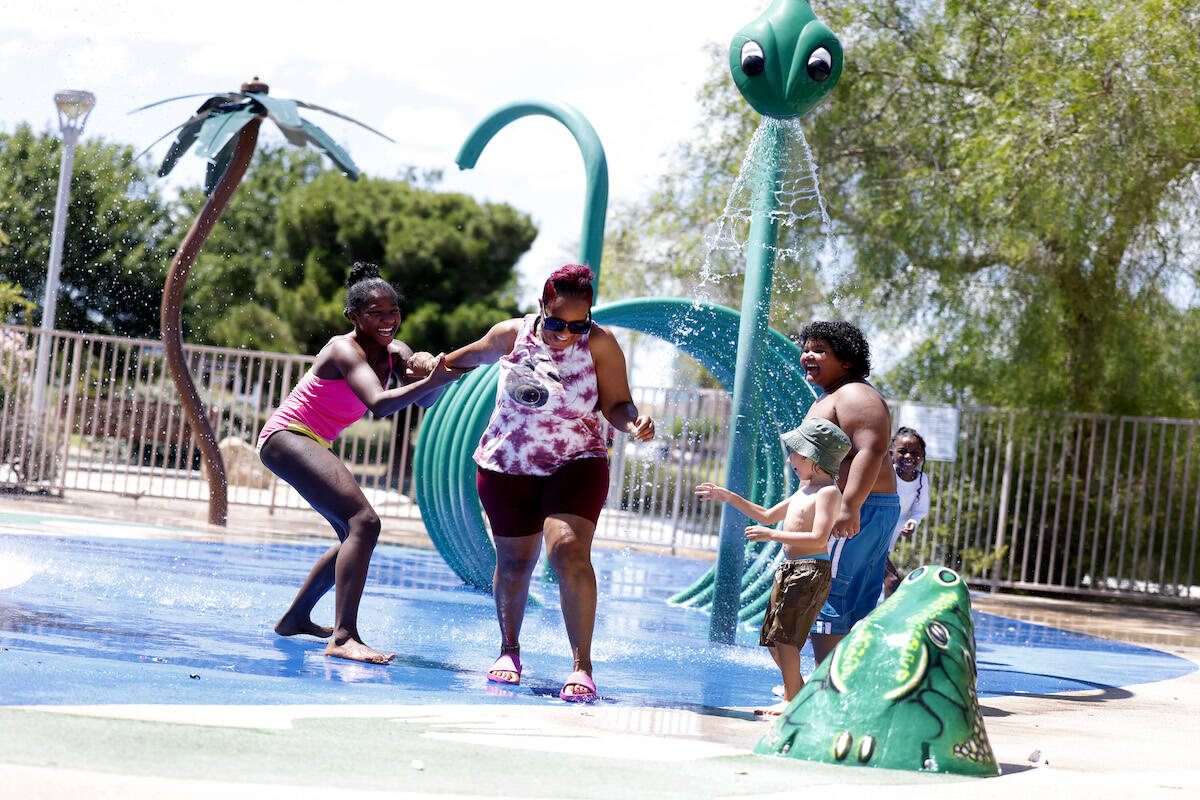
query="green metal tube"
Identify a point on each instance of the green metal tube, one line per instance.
(752, 338)
(595, 206)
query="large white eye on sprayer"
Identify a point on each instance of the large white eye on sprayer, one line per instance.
(753, 62)
(820, 65)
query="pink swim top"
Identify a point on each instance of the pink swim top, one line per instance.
(319, 407)
(545, 408)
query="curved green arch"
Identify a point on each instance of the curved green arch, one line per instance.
(595, 164)
(444, 473)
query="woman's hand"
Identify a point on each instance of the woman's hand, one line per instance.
(909, 528)
(710, 491)
(440, 374)
(421, 364)
(757, 533)
(641, 429)
(848, 522)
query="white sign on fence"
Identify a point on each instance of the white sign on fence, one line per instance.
(938, 426)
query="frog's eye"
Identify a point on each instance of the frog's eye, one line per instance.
(753, 62)
(938, 634)
(820, 65)
(948, 577)
(915, 574)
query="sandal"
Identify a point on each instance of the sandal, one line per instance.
(507, 662)
(579, 678)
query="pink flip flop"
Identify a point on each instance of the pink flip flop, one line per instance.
(507, 662)
(579, 678)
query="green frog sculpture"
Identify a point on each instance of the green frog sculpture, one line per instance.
(899, 691)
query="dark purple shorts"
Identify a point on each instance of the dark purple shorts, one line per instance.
(517, 505)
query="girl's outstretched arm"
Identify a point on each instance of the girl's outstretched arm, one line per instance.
(363, 381)
(414, 366)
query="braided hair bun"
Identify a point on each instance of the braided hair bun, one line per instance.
(362, 284)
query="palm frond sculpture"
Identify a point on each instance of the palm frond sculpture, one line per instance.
(224, 130)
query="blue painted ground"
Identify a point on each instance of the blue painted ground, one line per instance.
(89, 615)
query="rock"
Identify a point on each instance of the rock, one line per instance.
(242, 467)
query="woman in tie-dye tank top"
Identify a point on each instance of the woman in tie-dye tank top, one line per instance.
(543, 462)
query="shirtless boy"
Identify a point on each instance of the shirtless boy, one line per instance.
(803, 577)
(837, 360)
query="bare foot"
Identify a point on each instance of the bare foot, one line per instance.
(290, 627)
(357, 651)
(771, 711)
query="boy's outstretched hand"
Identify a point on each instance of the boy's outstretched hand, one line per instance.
(757, 533)
(710, 491)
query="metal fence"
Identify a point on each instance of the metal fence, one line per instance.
(1066, 503)
(110, 421)
(1082, 504)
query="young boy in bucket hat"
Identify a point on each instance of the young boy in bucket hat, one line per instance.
(815, 452)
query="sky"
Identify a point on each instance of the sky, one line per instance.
(424, 74)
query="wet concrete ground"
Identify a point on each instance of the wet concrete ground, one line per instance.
(91, 712)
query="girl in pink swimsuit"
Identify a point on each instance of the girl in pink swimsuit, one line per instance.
(543, 462)
(349, 376)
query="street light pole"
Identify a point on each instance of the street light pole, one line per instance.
(74, 106)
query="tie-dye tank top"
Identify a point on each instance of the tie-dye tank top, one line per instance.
(545, 410)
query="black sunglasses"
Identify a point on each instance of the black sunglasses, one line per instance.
(576, 326)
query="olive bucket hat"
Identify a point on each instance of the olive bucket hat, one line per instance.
(821, 441)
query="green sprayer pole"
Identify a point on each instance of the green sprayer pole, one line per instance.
(752, 338)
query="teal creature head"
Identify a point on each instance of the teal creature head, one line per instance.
(785, 61)
(899, 691)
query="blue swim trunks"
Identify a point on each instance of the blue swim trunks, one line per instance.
(858, 566)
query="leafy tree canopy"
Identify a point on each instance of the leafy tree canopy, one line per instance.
(272, 274)
(1013, 185)
(231, 300)
(452, 258)
(114, 254)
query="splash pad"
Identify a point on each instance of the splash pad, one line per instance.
(103, 612)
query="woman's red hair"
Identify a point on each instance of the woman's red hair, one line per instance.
(572, 280)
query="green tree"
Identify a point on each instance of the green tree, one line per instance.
(1013, 186)
(453, 258)
(114, 253)
(14, 307)
(272, 274)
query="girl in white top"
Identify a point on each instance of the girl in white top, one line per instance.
(912, 484)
